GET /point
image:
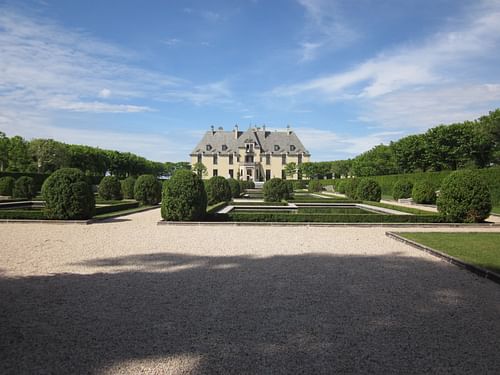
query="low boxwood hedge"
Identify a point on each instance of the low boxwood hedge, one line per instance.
(116, 207)
(23, 214)
(327, 218)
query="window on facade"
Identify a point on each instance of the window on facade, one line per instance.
(268, 159)
(224, 147)
(209, 147)
(248, 159)
(230, 159)
(283, 159)
(276, 148)
(292, 147)
(199, 158)
(231, 173)
(216, 172)
(283, 175)
(216, 159)
(268, 174)
(299, 159)
(249, 147)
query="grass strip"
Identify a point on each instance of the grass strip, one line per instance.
(409, 210)
(480, 249)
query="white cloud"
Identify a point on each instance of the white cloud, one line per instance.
(451, 74)
(42, 62)
(326, 28)
(171, 41)
(105, 93)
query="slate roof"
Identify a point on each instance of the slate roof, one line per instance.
(264, 139)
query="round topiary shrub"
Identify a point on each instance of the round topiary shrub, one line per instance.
(244, 185)
(110, 188)
(464, 198)
(368, 190)
(275, 190)
(424, 192)
(299, 184)
(147, 189)
(234, 185)
(314, 186)
(341, 186)
(6, 185)
(24, 187)
(218, 190)
(184, 197)
(128, 187)
(351, 188)
(67, 195)
(402, 189)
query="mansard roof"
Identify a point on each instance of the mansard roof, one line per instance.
(273, 142)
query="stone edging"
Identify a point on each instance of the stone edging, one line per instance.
(312, 224)
(493, 276)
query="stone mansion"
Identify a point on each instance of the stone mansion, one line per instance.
(256, 154)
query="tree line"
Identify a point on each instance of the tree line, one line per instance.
(47, 155)
(470, 144)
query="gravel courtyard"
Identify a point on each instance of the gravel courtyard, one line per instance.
(128, 296)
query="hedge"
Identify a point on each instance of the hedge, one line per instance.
(116, 207)
(23, 215)
(40, 178)
(323, 200)
(327, 218)
(489, 175)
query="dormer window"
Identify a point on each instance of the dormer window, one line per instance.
(209, 147)
(224, 147)
(276, 148)
(249, 147)
(292, 147)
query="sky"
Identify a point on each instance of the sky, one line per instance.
(150, 77)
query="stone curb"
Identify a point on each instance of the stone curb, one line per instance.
(493, 276)
(306, 224)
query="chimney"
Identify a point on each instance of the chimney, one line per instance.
(213, 131)
(236, 131)
(288, 130)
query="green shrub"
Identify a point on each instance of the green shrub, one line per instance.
(368, 190)
(234, 185)
(67, 195)
(218, 190)
(147, 189)
(424, 192)
(24, 187)
(351, 188)
(244, 185)
(6, 185)
(402, 189)
(299, 184)
(110, 188)
(275, 190)
(314, 186)
(184, 197)
(128, 187)
(340, 186)
(289, 186)
(464, 197)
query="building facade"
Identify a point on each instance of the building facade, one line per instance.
(255, 154)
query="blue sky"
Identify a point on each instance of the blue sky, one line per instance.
(151, 77)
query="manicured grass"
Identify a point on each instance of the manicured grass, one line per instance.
(480, 249)
(496, 210)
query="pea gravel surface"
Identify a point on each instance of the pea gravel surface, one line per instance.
(126, 296)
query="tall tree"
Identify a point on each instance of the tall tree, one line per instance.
(4, 151)
(49, 155)
(19, 158)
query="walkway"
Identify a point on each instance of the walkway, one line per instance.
(129, 296)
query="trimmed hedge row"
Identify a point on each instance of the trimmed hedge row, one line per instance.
(489, 175)
(39, 178)
(328, 218)
(323, 200)
(116, 207)
(23, 214)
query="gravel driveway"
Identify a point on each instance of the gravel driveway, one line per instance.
(128, 296)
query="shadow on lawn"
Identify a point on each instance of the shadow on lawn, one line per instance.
(311, 313)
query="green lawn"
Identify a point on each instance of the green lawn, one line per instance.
(481, 249)
(495, 210)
